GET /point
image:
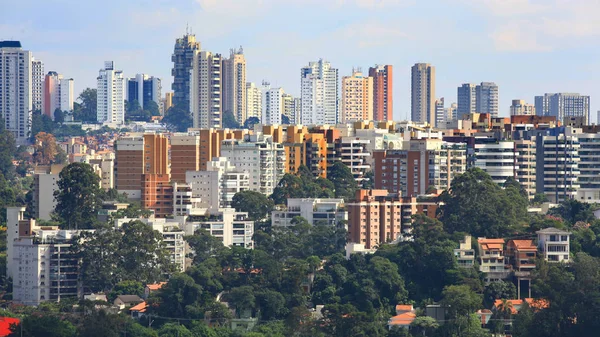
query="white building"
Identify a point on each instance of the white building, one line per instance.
(105, 163)
(261, 157)
(111, 95)
(496, 158)
(234, 84)
(45, 183)
(16, 89)
(233, 228)
(184, 202)
(589, 166)
(272, 106)
(37, 84)
(554, 244)
(316, 211)
(43, 266)
(492, 259)
(216, 186)
(253, 101)
(519, 107)
(319, 94)
(353, 153)
(465, 254)
(205, 90)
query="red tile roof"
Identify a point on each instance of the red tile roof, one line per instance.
(141, 307)
(403, 319)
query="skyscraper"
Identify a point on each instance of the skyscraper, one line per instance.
(451, 112)
(319, 93)
(519, 107)
(15, 89)
(423, 93)
(272, 106)
(143, 89)
(561, 105)
(382, 92)
(253, 101)
(291, 107)
(487, 98)
(357, 98)
(205, 86)
(234, 85)
(58, 94)
(37, 84)
(481, 98)
(111, 95)
(182, 58)
(467, 100)
(440, 113)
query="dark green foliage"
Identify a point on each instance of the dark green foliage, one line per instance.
(343, 181)
(78, 197)
(478, 206)
(178, 118)
(498, 290)
(86, 111)
(8, 149)
(302, 185)
(573, 211)
(152, 107)
(369, 182)
(250, 122)
(285, 120)
(229, 121)
(59, 116)
(256, 204)
(126, 287)
(44, 325)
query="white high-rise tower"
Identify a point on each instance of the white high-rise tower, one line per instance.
(15, 89)
(319, 96)
(111, 95)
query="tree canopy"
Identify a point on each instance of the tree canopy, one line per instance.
(78, 197)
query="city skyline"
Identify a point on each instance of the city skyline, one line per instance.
(514, 44)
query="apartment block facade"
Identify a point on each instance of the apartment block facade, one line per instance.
(383, 84)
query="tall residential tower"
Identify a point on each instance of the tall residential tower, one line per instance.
(205, 90)
(423, 93)
(182, 58)
(357, 98)
(15, 89)
(234, 85)
(111, 95)
(319, 93)
(383, 108)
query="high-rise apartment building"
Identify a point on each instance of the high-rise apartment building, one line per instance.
(496, 158)
(37, 84)
(111, 95)
(451, 112)
(525, 165)
(15, 89)
(357, 98)
(319, 93)
(383, 79)
(183, 56)
(272, 106)
(157, 194)
(234, 85)
(519, 108)
(467, 100)
(58, 94)
(562, 105)
(557, 164)
(137, 155)
(143, 89)
(206, 90)
(422, 102)
(45, 183)
(253, 101)
(481, 98)
(487, 98)
(259, 155)
(185, 155)
(440, 113)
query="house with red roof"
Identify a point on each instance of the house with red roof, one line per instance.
(492, 261)
(405, 315)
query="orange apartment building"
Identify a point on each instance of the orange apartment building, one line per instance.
(137, 155)
(157, 194)
(185, 155)
(522, 255)
(210, 142)
(383, 103)
(305, 148)
(376, 216)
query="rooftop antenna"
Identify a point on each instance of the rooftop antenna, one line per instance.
(187, 28)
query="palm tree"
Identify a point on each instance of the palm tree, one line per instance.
(505, 308)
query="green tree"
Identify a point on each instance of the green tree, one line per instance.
(478, 206)
(59, 116)
(204, 246)
(460, 300)
(369, 182)
(180, 297)
(126, 287)
(178, 118)
(152, 108)
(86, 111)
(256, 204)
(78, 197)
(572, 211)
(174, 330)
(242, 299)
(8, 149)
(285, 120)
(143, 253)
(229, 121)
(344, 183)
(250, 122)
(43, 325)
(99, 263)
(498, 290)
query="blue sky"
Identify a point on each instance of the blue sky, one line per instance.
(527, 47)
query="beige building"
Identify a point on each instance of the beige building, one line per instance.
(234, 85)
(205, 90)
(519, 107)
(525, 163)
(357, 98)
(423, 93)
(253, 101)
